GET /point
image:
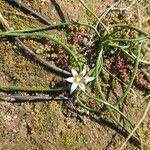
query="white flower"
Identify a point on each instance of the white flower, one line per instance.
(78, 80)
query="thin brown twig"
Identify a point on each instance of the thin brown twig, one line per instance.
(130, 6)
(107, 11)
(124, 9)
(139, 14)
(26, 7)
(21, 98)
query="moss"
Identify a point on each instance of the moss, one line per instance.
(68, 142)
(72, 141)
(78, 138)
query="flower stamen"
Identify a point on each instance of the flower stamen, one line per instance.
(78, 79)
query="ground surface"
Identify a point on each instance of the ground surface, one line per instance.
(55, 125)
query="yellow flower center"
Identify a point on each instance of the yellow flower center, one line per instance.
(78, 79)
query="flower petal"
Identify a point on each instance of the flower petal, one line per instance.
(83, 72)
(73, 87)
(70, 79)
(82, 87)
(74, 72)
(88, 79)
